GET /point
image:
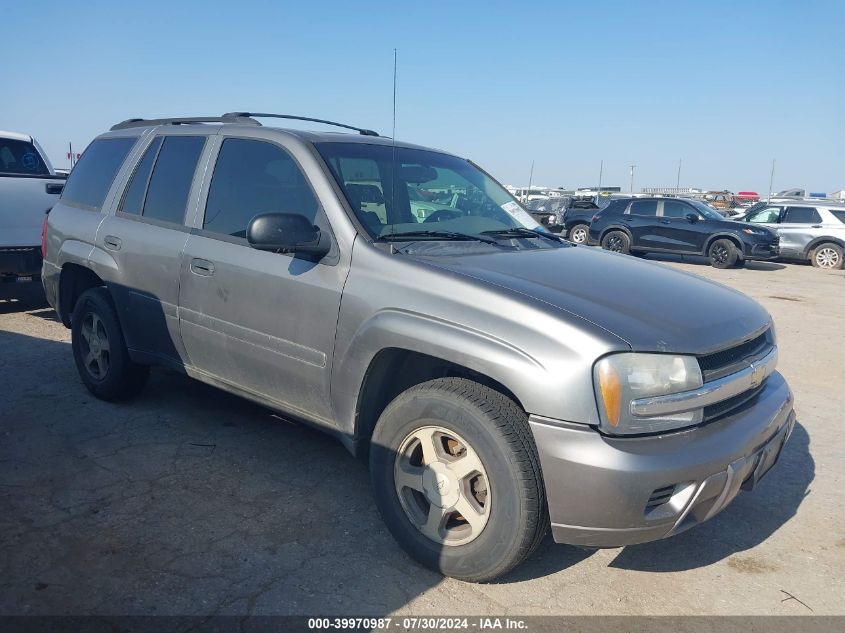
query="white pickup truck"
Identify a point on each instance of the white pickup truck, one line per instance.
(29, 187)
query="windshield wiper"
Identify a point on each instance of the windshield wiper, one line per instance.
(521, 231)
(407, 236)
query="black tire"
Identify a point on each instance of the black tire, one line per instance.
(723, 253)
(578, 233)
(827, 256)
(740, 263)
(497, 431)
(616, 242)
(114, 376)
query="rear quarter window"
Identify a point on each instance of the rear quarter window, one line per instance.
(839, 215)
(91, 178)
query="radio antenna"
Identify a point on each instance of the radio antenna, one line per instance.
(394, 94)
(393, 161)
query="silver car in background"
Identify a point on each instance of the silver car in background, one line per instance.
(811, 231)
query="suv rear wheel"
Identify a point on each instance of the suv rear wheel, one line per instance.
(578, 233)
(616, 242)
(827, 255)
(723, 254)
(100, 350)
(457, 480)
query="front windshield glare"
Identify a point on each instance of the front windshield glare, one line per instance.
(400, 190)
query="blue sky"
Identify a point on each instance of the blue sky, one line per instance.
(726, 86)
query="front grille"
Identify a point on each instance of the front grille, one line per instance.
(728, 361)
(721, 408)
(659, 497)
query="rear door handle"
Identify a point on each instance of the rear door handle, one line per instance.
(202, 267)
(112, 243)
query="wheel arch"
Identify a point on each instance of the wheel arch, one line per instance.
(719, 236)
(395, 370)
(74, 279)
(818, 241)
(617, 227)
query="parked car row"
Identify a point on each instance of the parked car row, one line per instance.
(323, 276)
(810, 231)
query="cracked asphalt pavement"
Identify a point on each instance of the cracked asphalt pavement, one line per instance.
(187, 500)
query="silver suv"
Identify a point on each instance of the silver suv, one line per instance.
(498, 378)
(813, 231)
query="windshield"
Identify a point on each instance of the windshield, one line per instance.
(706, 210)
(396, 191)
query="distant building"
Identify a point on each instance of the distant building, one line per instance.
(837, 195)
(671, 191)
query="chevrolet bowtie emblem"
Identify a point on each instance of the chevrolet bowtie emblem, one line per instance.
(756, 375)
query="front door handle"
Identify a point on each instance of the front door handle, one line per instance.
(112, 243)
(202, 267)
(664, 221)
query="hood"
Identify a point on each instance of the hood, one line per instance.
(650, 306)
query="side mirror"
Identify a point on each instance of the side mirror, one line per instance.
(287, 233)
(692, 218)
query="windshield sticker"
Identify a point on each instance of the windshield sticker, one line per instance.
(519, 214)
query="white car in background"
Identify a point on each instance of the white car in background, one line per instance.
(29, 186)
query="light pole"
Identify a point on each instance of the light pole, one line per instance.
(632, 178)
(678, 181)
(771, 182)
(601, 171)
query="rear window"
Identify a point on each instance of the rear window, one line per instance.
(839, 215)
(167, 193)
(643, 207)
(801, 215)
(21, 157)
(91, 178)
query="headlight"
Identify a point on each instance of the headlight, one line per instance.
(754, 232)
(621, 378)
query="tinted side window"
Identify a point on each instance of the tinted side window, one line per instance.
(801, 215)
(643, 207)
(167, 195)
(768, 215)
(675, 209)
(839, 215)
(20, 157)
(92, 176)
(133, 199)
(254, 177)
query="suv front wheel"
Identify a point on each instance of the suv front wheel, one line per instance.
(100, 350)
(723, 254)
(457, 480)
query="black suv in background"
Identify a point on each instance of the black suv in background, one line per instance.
(669, 225)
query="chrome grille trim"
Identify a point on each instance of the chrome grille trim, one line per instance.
(710, 393)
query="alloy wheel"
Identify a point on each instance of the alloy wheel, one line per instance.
(827, 258)
(442, 485)
(614, 244)
(720, 254)
(96, 352)
(579, 235)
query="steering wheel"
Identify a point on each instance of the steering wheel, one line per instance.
(441, 215)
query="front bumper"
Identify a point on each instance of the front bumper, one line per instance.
(760, 250)
(604, 491)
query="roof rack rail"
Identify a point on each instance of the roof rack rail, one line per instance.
(268, 115)
(226, 118)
